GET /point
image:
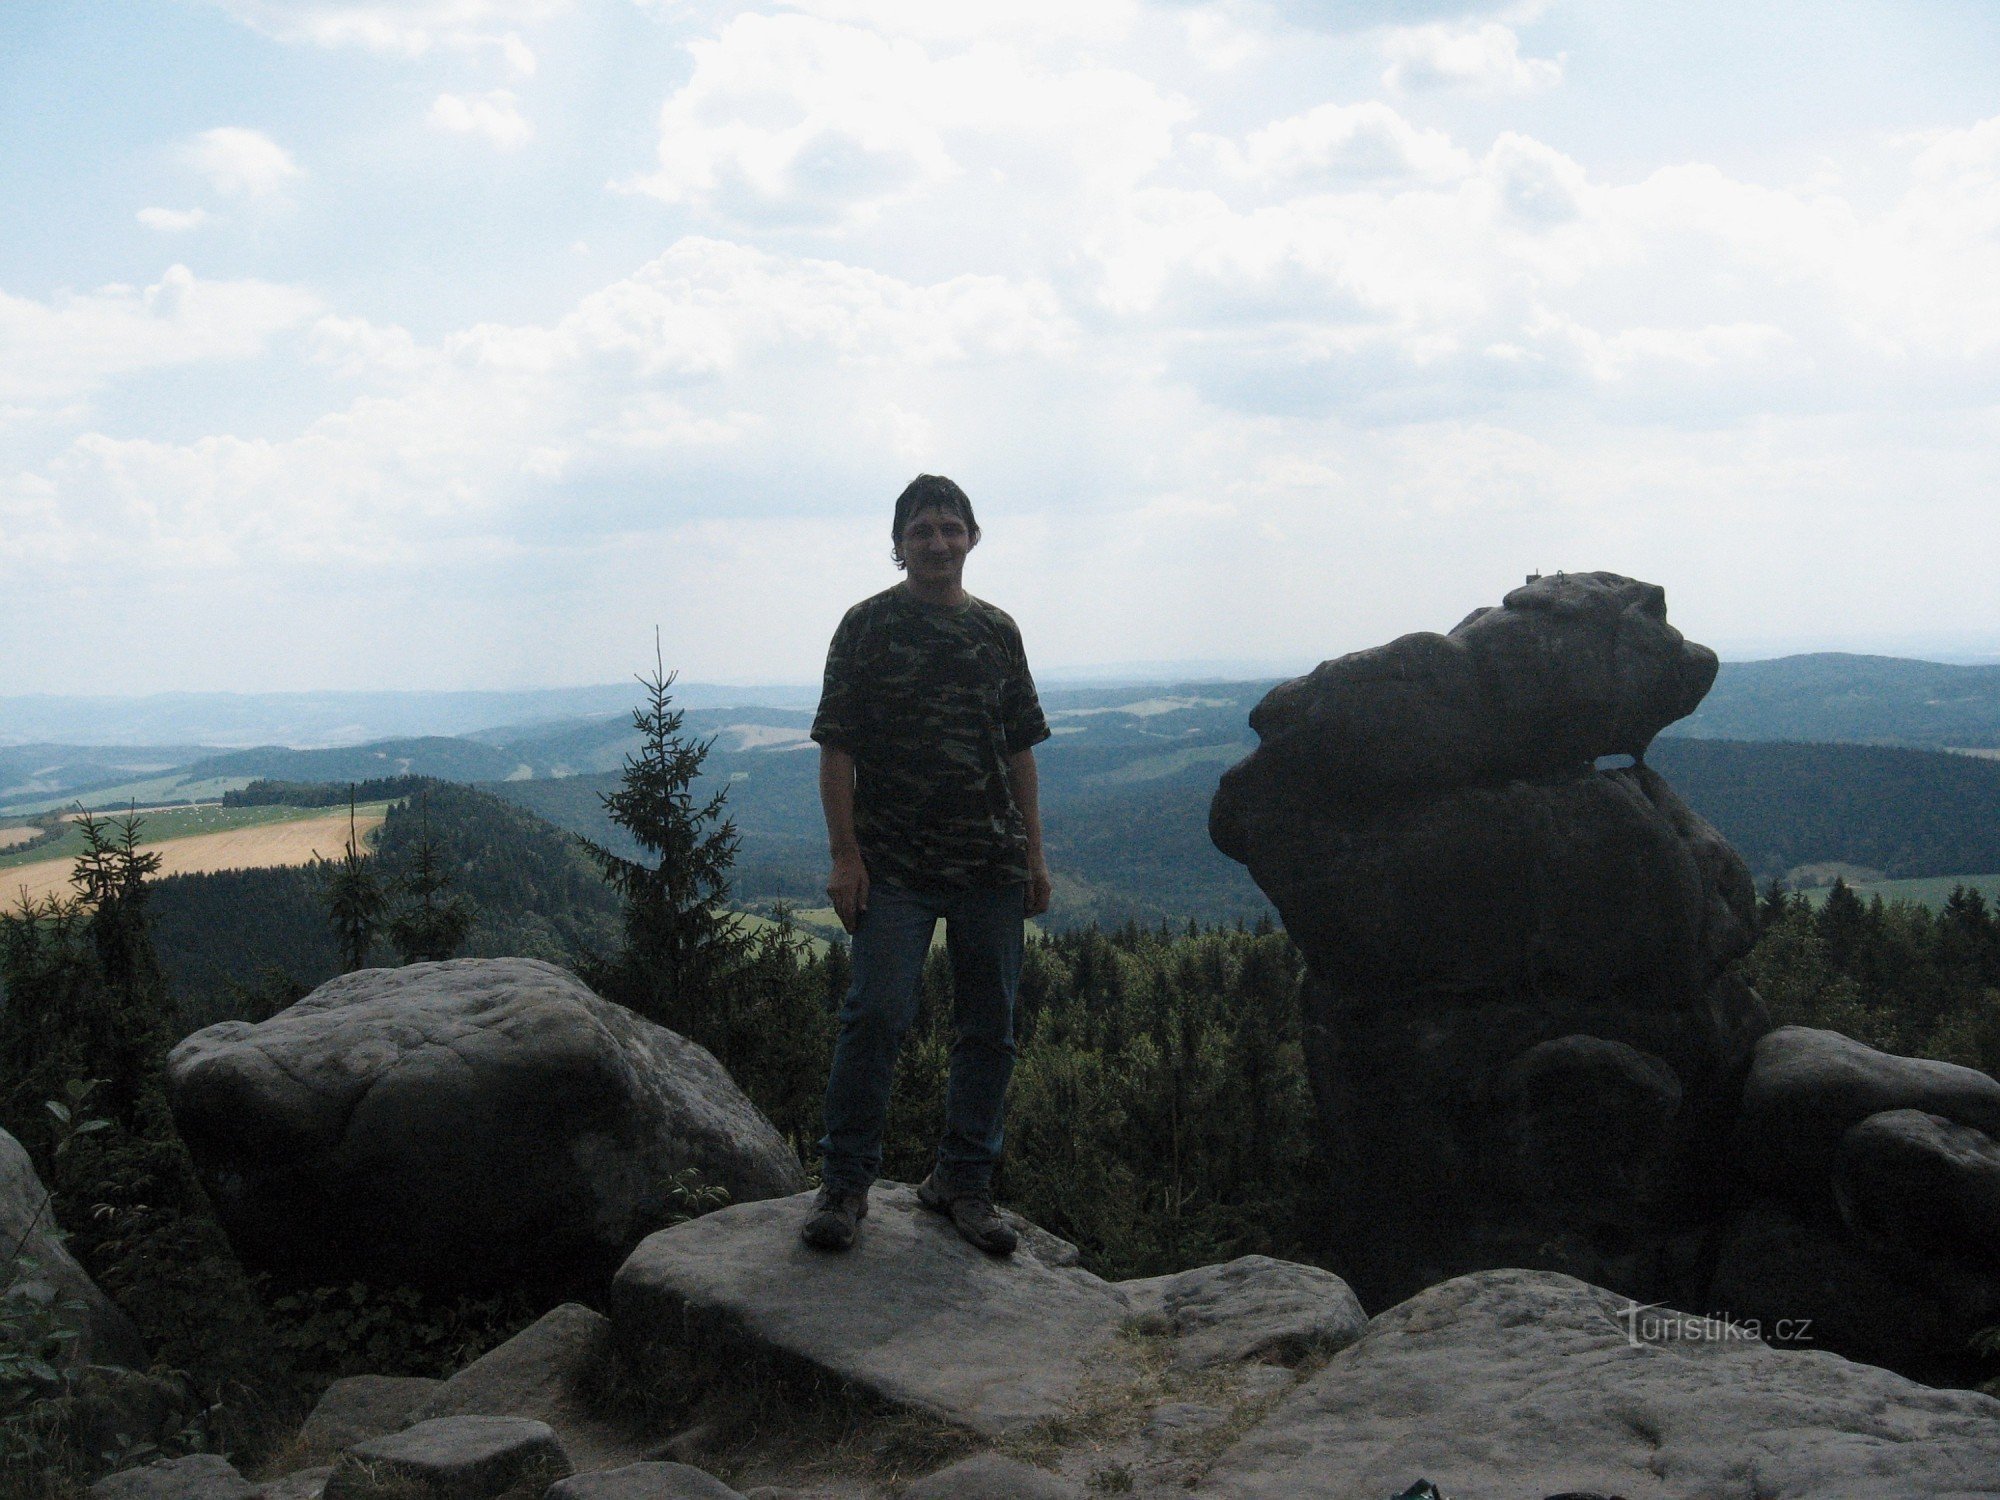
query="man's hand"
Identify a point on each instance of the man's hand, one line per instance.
(848, 889)
(1039, 887)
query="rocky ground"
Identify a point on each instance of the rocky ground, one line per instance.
(736, 1362)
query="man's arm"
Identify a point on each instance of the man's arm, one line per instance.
(1028, 797)
(848, 885)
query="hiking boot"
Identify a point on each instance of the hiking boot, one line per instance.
(972, 1214)
(836, 1212)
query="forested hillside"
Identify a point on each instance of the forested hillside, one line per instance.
(1870, 700)
(1902, 812)
(536, 895)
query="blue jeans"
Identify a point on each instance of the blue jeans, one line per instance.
(983, 935)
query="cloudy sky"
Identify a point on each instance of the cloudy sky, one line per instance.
(456, 343)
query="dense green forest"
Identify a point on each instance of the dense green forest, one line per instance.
(1782, 805)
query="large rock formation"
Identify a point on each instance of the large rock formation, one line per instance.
(1529, 1383)
(1520, 1024)
(463, 1125)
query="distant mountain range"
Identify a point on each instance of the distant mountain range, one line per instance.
(1130, 770)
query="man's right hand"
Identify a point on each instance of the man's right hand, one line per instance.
(848, 889)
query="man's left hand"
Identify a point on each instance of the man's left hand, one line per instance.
(1039, 888)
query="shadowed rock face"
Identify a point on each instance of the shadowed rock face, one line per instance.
(467, 1125)
(1519, 1021)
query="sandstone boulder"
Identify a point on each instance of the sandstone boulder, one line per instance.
(1253, 1307)
(1808, 1087)
(643, 1481)
(912, 1314)
(361, 1407)
(199, 1476)
(28, 1231)
(1519, 1020)
(551, 1371)
(1923, 1185)
(466, 1125)
(451, 1458)
(1523, 1383)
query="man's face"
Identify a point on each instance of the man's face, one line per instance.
(934, 542)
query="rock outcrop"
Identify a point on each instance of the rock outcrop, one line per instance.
(1499, 1383)
(475, 1124)
(912, 1315)
(28, 1230)
(1519, 1016)
(1531, 1383)
(1521, 1026)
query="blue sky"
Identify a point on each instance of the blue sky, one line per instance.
(456, 343)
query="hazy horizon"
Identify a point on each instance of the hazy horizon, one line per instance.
(418, 342)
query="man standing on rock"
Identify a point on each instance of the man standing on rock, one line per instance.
(927, 726)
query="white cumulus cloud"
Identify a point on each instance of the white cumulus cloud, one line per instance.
(793, 119)
(77, 344)
(411, 28)
(173, 220)
(1485, 57)
(495, 116)
(240, 162)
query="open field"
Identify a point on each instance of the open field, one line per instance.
(279, 836)
(160, 825)
(172, 787)
(9, 837)
(1931, 892)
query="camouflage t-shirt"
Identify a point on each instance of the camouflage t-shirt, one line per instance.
(930, 700)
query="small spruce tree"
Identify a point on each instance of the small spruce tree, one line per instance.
(355, 901)
(678, 936)
(430, 925)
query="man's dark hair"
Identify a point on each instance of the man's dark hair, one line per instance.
(922, 493)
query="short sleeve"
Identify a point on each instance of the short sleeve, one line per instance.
(838, 722)
(1020, 709)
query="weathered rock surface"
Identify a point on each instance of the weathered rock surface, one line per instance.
(1923, 1185)
(451, 1458)
(1250, 1308)
(482, 1122)
(1566, 670)
(989, 1476)
(1519, 1021)
(644, 1481)
(1808, 1087)
(27, 1220)
(912, 1314)
(1791, 1275)
(547, 1372)
(302, 1484)
(1525, 1383)
(361, 1407)
(199, 1476)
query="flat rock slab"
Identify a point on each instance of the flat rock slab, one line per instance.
(451, 1458)
(1249, 1308)
(647, 1481)
(199, 1476)
(988, 1476)
(361, 1407)
(912, 1314)
(305, 1484)
(541, 1373)
(1508, 1383)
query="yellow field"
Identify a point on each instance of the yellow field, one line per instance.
(298, 841)
(9, 837)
